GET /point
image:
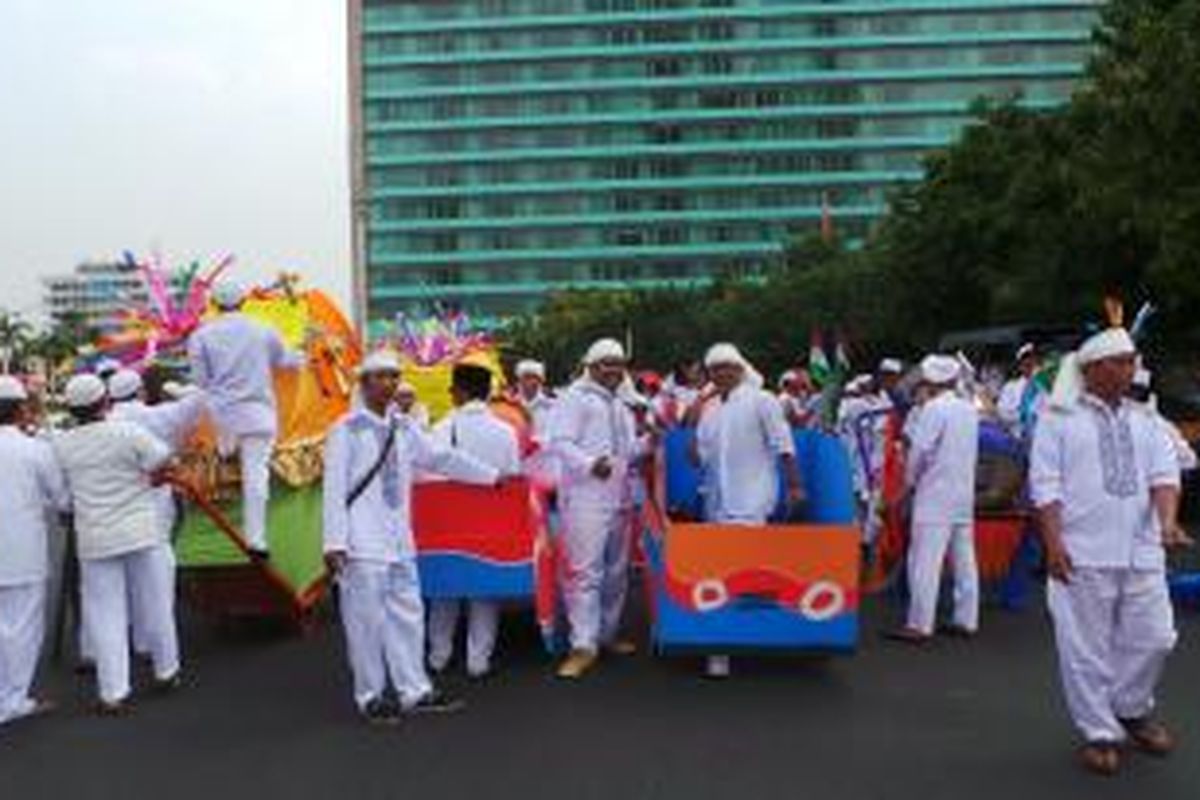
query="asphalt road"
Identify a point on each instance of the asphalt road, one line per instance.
(269, 716)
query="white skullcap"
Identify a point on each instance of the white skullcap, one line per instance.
(124, 385)
(406, 388)
(530, 367)
(1142, 378)
(12, 389)
(228, 295)
(604, 350)
(1106, 344)
(379, 362)
(787, 377)
(85, 391)
(177, 391)
(1025, 350)
(938, 369)
(891, 365)
(724, 354)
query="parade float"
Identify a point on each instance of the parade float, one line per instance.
(785, 587)
(215, 570)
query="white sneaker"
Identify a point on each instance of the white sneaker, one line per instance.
(717, 667)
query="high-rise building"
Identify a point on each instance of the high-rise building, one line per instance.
(506, 148)
(94, 293)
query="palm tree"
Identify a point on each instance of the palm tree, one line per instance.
(15, 337)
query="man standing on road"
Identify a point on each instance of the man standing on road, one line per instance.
(1105, 481)
(593, 435)
(32, 485)
(232, 358)
(942, 458)
(742, 440)
(113, 469)
(371, 458)
(473, 429)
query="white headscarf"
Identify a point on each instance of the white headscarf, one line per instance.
(603, 350)
(1068, 385)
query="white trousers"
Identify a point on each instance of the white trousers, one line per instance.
(926, 555)
(384, 621)
(483, 628)
(22, 629)
(109, 587)
(255, 455)
(595, 575)
(1114, 629)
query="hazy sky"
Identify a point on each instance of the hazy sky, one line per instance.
(197, 127)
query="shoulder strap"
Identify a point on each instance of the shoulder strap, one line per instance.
(366, 480)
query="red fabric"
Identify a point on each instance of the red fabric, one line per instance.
(492, 523)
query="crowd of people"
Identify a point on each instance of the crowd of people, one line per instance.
(1104, 483)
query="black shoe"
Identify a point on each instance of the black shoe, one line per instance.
(258, 556)
(437, 702)
(956, 632)
(121, 708)
(380, 712)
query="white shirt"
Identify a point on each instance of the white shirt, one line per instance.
(32, 484)
(1101, 464)
(475, 430)
(943, 454)
(108, 466)
(378, 527)
(540, 410)
(232, 358)
(590, 423)
(171, 423)
(740, 440)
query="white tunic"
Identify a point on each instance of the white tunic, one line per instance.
(589, 423)
(108, 466)
(379, 525)
(232, 358)
(540, 410)
(32, 483)
(944, 451)
(1101, 464)
(475, 430)
(740, 440)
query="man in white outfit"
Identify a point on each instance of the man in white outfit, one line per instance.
(593, 437)
(472, 428)
(32, 485)
(371, 458)
(232, 359)
(531, 393)
(742, 440)
(172, 423)
(1105, 481)
(1021, 398)
(112, 469)
(942, 457)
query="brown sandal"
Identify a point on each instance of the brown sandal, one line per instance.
(1100, 758)
(1150, 736)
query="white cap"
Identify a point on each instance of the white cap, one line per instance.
(892, 366)
(604, 350)
(12, 389)
(939, 369)
(724, 354)
(228, 295)
(530, 367)
(177, 391)
(124, 385)
(787, 377)
(406, 388)
(378, 362)
(1106, 344)
(84, 391)
(1025, 351)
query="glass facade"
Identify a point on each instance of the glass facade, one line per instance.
(507, 148)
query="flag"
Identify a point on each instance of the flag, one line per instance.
(818, 363)
(826, 219)
(841, 357)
